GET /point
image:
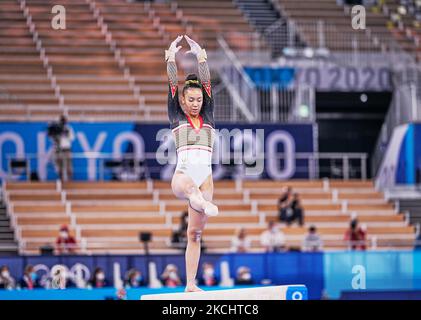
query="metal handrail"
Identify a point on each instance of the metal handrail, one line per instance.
(235, 84)
(312, 165)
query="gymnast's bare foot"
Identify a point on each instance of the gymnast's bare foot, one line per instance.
(191, 287)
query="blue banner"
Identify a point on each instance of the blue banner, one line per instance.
(270, 269)
(266, 150)
(325, 274)
(266, 77)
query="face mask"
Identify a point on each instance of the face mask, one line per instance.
(33, 276)
(100, 276)
(246, 276)
(209, 272)
(138, 278)
(173, 275)
(64, 235)
(5, 274)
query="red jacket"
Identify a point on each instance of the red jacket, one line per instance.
(357, 238)
(66, 245)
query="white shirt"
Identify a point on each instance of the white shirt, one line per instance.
(312, 242)
(66, 140)
(237, 243)
(272, 239)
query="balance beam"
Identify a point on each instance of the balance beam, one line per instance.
(290, 292)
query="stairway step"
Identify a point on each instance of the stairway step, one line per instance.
(7, 236)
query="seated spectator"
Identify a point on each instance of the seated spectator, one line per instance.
(29, 279)
(312, 241)
(65, 243)
(272, 239)
(297, 209)
(170, 277)
(134, 279)
(6, 280)
(291, 210)
(355, 236)
(208, 277)
(98, 279)
(284, 198)
(240, 243)
(243, 276)
(179, 237)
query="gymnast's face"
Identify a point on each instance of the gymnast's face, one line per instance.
(192, 101)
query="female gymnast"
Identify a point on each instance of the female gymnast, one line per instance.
(192, 125)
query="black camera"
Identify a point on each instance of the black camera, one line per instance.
(145, 236)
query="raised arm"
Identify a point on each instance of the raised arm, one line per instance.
(201, 56)
(171, 64)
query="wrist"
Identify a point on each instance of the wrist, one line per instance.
(169, 56)
(202, 56)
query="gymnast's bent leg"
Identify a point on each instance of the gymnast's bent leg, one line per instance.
(183, 187)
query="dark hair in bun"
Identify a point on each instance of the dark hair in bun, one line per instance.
(192, 81)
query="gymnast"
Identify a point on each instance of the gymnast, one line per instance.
(192, 124)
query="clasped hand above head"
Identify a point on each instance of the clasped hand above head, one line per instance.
(195, 49)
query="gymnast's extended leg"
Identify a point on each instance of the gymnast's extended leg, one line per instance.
(196, 225)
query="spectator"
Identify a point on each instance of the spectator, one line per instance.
(272, 239)
(65, 243)
(355, 236)
(98, 279)
(65, 139)
(134, 279)
(240, 243)
(291, 210)
(208, 277)
(6, 280)
(170, 277)
(312, 241)
(243, 276)
(297, 209)
(179, 237)
(285, 198)
(29, 279)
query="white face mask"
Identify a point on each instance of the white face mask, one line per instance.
(64, 234)
(246, 276)
(100, 276)
(173, 275)
(5, 274)
(209, 272)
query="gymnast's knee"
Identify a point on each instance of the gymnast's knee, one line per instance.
(194, 235)
(182, 191)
